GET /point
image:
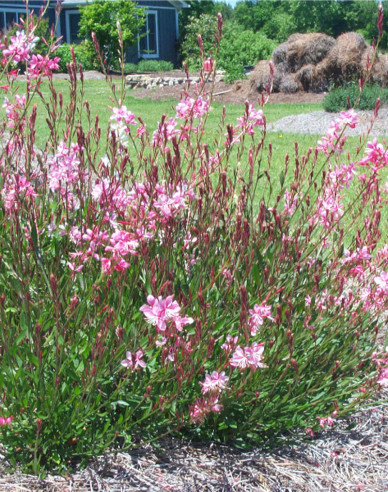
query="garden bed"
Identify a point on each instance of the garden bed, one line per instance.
(353, 456)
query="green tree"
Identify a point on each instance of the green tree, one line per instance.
(238, 46)
(279, 19)
(101, 17)
(206, 26)
(199, 7)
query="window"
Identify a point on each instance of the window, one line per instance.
(8, 17)
(148, 43)
(72, 25)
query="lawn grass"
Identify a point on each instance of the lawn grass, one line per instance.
(98, 94)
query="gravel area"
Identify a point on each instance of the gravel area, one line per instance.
(317, 122)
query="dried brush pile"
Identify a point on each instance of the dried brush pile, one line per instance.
(314, 61)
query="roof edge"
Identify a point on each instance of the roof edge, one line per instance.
(179, 4)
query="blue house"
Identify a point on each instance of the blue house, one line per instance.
(160, 30)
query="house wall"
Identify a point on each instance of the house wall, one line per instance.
(33, 5)
(167, 32)
(167, 25)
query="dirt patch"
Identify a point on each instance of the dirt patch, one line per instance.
(225, 93)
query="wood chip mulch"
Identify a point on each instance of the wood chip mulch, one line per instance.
(353, 456)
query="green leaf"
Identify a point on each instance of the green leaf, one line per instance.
(34, 235)
(281, 178)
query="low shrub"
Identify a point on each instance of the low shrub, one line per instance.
(154, 66)
(148, 66)
(237, 49)
(84, 52)
(130, 67)
(345, 97)
(177, 285)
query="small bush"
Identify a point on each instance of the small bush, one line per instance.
(84, 52)
(130, 67)
(345, 97)
(154, 66)
(148, 66)
(238, 47)
(180, 283)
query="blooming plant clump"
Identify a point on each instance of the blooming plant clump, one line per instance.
(149, 284)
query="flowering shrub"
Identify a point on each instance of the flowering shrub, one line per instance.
(178, 285)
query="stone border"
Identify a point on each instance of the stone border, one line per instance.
(150, 81)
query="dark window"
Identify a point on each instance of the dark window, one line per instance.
(148, 45)
(8, 18)
(74, 23)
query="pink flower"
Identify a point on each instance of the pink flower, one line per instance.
(64, 168)
(6, 421)
(258, 314)
(42, 65)
(181, 322)
(348, 118)
(74, 268)
(249, 357)
(323, 421)
(159, 311)
(290, 202)
(20, 46)
(214, 383)
(120, 121)
(255, 355)
(204, 406)
(230, 343)
(192, 108)
(208, 65)
(252, 117)
(376, 154)
(14, 111)
(309, 431)
(123, 115)
(382, 282)
(383, 379)
(239, 358)
(134, 360)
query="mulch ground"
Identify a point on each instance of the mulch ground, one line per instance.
(352, 456)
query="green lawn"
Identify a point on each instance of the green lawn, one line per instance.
(98, 93)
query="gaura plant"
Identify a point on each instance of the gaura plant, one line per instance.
(154, 281)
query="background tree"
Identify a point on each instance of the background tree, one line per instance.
(238, 46)
(199, 7)
(279, 19)
(101, 17)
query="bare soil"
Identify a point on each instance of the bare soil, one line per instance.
(224, 93)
